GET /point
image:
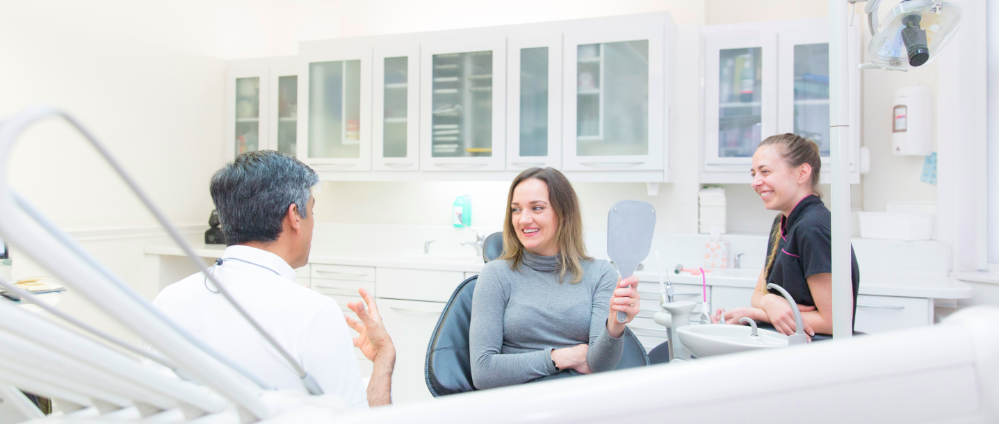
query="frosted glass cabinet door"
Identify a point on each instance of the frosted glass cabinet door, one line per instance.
(284, 106)
(395, 128)
(246, 107)
(614, 99)
(740, 95)
(462, 105)
(804, 86)
(534, 109)
(335, 88)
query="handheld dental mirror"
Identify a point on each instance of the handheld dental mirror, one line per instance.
(630, 224)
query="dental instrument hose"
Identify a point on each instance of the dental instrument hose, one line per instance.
(307, 380)
(71, 244)
(31, 298)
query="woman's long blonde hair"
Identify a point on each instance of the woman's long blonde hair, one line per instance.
(568, 236)
(795, 151)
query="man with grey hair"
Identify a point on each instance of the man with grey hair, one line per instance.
(265, 204)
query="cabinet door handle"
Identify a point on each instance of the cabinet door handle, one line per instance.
(460, 165)
(415, 311)
(398, 165)
(346, 274)
(340, 165)
(526, 164)
(639, 327)
(896, 308)
(686, 294)
(612, 164)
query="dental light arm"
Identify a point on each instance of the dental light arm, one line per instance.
(195, 260)
(76, 249)
(81, 273)
(31, 298)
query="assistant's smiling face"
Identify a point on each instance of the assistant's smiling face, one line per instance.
(777, 184)
(533, 218)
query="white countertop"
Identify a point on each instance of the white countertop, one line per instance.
(876, 283)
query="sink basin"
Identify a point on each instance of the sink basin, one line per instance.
(445, 257)
(720, 339)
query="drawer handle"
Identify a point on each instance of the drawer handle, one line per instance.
(348, 274)
(460, 165)
(398, 165)
(415, 311)
(639, 327)
(527, 164)
(896, 308)
(612, 164)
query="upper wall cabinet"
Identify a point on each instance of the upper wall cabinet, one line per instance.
(740, 94)
(534, 106)
(396, 130)
(283, 106)
(770, 78)
(462, 105)
(614, 116)
(335, 122)
(261, 105)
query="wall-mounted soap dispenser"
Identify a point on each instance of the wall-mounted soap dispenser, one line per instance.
(461, 213)
(912, 121)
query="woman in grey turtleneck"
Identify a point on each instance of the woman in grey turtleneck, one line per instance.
(544, 307)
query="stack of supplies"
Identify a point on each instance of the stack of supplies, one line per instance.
(711, 213)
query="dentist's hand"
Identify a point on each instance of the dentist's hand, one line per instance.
(372, 339)
(625, 298)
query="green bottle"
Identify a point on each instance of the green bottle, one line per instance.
(461, 214)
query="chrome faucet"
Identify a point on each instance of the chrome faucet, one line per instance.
(480, 239)
(799, 329)
(426, 246)
(737, 260)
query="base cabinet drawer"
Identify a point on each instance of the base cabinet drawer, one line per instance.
(341, 287)
(411, 325)
(417, 284)
(879, 314)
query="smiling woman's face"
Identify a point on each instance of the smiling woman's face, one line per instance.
(533, 218)
(780, 186)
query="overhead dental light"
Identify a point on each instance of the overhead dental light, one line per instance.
(914, 34)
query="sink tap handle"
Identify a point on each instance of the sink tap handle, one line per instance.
(799, 328)
(737, 260)
(426, 246)
(752, 323)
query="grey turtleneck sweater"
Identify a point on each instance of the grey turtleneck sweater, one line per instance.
(519, 316)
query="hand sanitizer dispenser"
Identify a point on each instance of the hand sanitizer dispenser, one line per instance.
(461, 213)
(912, 121)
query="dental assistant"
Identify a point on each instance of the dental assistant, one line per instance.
(799, 255)
(544, 307)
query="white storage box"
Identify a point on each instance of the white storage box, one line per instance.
(896, 226)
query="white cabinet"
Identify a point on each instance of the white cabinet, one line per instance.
(411, 325)
(740, 72)
(261, 105)
(336, 118)
(534, 109)
(462, 105)
(770, 78)
(614, 116)
(729, 298)
(879, 314)
(396, 130)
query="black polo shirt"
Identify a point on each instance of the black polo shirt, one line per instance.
(804, 249)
